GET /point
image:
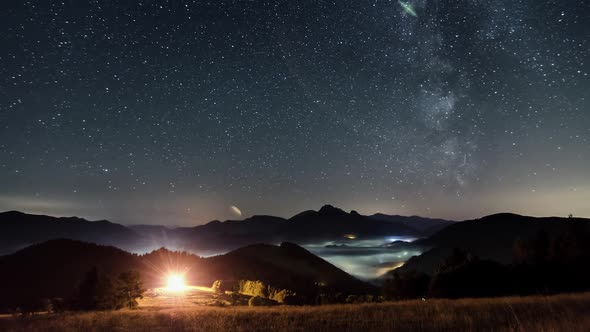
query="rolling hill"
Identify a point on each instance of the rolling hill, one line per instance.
(55, 268)
(286, 266)
(492, 237)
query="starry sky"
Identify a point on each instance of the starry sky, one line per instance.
(171, 112)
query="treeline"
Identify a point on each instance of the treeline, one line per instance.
(262, 294)
(96, 291)
(543, 264)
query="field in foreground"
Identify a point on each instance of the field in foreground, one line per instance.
(569, 312)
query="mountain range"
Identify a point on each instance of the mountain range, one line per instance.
(492, 237)
(18, 230)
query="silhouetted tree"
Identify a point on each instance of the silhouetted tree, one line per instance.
(97, 291)
(409, 285)
(535, 251)
(519, 251)
(472, 278)
(58, 304)
(128, 289)
(46, 305)
(541, 246)
(456, 258)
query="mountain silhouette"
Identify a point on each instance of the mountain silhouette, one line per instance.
(327, 224)
(330, 222)
(18, 230)
(424, 225)
(492, 237)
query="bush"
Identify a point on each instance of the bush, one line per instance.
(58, 304)
(46, 305)
(352, 299)
(216, 303)
(256, 301)
(216, 287)
(282, 296)
(253, 288)
(259, 289)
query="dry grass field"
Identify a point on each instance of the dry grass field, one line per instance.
(570, 312)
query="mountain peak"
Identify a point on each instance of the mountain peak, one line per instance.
(14, 212)
(330, 210)
(504, 216)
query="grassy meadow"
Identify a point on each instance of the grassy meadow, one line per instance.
(569, 312)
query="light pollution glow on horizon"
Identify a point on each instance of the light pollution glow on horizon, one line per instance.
(539, 203)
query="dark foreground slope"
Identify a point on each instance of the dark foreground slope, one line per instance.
(55, 268)
(552, 313)
(495, 237)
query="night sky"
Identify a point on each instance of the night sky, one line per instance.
(172, 112)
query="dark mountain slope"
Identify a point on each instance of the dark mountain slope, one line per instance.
(54, 268)
(286, 266)
(215, 236)
(426, 226)
(231, 234)
(492, 237)
(18, 230)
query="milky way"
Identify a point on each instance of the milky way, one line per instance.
(176, 112)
